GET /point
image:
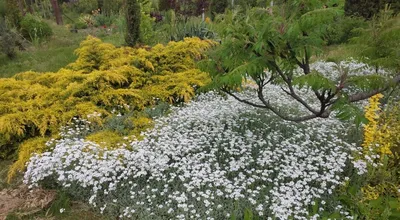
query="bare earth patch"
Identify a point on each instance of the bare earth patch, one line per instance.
(24, 201)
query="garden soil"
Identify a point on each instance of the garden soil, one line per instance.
(23, 201)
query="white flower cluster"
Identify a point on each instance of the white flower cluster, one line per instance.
(208, 160)
(353, 68)
(360, 166)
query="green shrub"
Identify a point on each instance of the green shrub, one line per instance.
(101, 20)
(2, 8)
(341, 31)
(111, 7)
(218, 7)
(193, 27)
(86, 6)
(13, 14)
(34, 28)
(8, 40)
(80, 25)
(369, 8)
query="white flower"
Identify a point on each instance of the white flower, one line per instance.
(207, 154)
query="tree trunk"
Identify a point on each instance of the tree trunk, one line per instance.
(57, 12)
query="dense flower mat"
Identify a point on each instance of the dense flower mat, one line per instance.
(212, 159)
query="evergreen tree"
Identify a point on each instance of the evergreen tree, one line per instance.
(13, 12)
(218, 6)
(133, 18)
(165, 5)
(369, 8)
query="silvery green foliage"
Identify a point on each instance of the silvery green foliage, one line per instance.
(208, 160)
(353, 67)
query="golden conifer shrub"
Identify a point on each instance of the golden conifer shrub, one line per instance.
(103, 77)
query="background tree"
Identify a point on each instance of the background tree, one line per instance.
(133, 18)
(368, 8)
(218, 6)
(7, 40)
(57, 12)
(378, 43)
(270, 46)
(14, 12)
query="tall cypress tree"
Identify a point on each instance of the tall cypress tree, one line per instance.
(133, 22)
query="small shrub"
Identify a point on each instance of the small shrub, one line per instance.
(111, 7)
(86, 6)
(177, 29)
(342, 30)
(13, 13)
(103, 20)
(88, 20)
(3, 9)
(80, 24)
(34, 28)
(7, 40)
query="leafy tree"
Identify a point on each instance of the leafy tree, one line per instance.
(13, 12)
(133, 18)
(7, 40)
(270, 46)
(218, 6)
(368, 8)
(378, 44)
(165, 5)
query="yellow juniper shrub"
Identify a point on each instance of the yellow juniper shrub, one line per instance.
(33, 145)
(103, 76)
(106, 139)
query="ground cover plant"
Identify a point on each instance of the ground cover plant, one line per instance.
(214, 159)
(209, 160)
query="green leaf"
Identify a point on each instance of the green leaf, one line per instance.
(368, 82)
(248, 214)
(315, 81)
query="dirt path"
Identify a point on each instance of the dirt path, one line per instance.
(24, 201)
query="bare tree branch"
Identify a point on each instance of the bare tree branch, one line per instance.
(364, 95)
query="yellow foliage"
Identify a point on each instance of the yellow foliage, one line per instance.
(375, 134)
(106, 139)
(34, 145)
(103, 76)
(142, 123)
(381, 135)
(370, 193)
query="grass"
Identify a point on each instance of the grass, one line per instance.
(53, 54)
(337, 53)
(4, 166)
